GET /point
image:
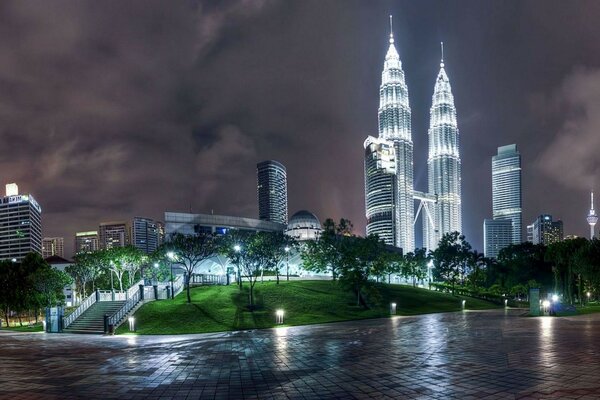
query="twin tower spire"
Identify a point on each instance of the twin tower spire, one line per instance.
(389, 188)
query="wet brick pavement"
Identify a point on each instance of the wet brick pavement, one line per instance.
(465, 355)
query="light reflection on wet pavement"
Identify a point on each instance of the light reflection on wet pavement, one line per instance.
(466, 355)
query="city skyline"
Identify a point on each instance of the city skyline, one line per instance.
(158, 118)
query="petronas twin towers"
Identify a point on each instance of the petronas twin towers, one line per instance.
(389, 190)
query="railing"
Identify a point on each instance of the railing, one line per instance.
(178, 285)
(131, 302)
(85, 304)
(134, 287)
(149, 293)
(113, 295)
(208, 279)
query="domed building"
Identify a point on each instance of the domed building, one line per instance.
(304, 225)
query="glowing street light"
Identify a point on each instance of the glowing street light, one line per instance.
(554, 298)
(464, 303)
(279, 317)
(393, 308)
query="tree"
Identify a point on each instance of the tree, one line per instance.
(231, 245)
(87, 268)
(189, 251)
(49, 283)
(562, 257)
(415, 265)
(451, 257)
(324, 254)
(282, 246)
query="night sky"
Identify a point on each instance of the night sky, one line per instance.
(115, 109)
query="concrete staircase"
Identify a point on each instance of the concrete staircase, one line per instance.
(92, 320)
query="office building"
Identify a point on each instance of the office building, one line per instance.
(272, 191)
(114, 234)
(53, 246)
(20, 225)
(146, 234)
(192, 224)
(86, 242)
(389, 204)
(497, 234)
(506, 188)
(544, 230)
(443, 164)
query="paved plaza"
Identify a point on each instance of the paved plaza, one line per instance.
(469, 355)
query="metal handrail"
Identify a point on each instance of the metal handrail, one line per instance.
(125, 309)
(178, 285)
(68, 320)
(135, 287)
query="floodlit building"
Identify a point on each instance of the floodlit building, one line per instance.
(506, 188)
(147, 234)
(114, 234)
(304, 225)
(272, 191)
(389, 191)
(544, 230)
(191, 224)
(20, 225)
(497, 234)
(443, 164)
(53, 246)
(86, 242)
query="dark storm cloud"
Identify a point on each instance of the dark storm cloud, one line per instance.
(115, 109)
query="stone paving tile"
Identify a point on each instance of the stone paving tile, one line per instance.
(470, 355)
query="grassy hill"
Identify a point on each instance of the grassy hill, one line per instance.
(223, 308)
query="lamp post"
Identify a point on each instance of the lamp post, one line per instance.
(171, 256)
(287, 261)
(237, 248)
(112, 264)
(429, 268)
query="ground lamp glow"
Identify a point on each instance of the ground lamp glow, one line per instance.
(279, 317)
(464, 303)
(393, 308)
(131, 324)
(554, 298)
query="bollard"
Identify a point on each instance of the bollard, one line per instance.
(279, 317)
(464, 303)
(393, 308)
(105, 323)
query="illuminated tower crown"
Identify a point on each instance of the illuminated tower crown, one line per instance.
(592, 218)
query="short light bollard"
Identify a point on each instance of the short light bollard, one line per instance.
(464, 303)
(279, 317)
(131, 324)
(393, 308)
(44, 325)
(505, 303)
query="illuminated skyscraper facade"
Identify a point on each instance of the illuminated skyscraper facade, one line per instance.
(272, 191)
(389, 160)
(443, 164)
(506, 188)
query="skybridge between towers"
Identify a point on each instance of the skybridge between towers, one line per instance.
(426, 203)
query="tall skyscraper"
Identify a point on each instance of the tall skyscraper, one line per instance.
(114, 234)
(497, 234)
(592, 218)
(506, 188)
(20, 225)
(146, 234)
(86, 242)
(394, 117)
(272, 191)
(380, 189)
(443, 163)
(544, 230)
(53, 246)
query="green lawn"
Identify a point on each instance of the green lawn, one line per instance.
(591, 309)
(33, 328)
(223, 308)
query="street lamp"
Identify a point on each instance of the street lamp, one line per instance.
(112, 265)
(429, 268)
(287, 261)
(171, 257)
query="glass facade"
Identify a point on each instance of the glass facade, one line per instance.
(272, 192)
(506, 188)
(497, 234)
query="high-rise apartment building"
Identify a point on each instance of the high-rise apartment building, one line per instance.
(544, 230)
(443, 164)
(146, 234)
(53, 246)
(86, 242)
(506, 188)
(272, 191)
(391, 182)
(20, 225)
(114, 234)
(497, 234)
